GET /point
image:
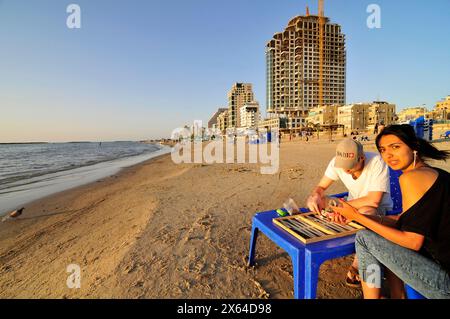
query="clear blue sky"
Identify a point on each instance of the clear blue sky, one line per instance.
(139, 69)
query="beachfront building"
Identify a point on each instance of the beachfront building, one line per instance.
(240, 94)
(354, 117)
(441, 111)
(323, 115)
(365, 116)
(212, 123)
(250, 115)
(222, 121)
(292, 67)
(381, 112)
(411, 113)
(283, 124)
(273, 123)
(295, 124)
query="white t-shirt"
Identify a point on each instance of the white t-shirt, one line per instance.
(374, 178)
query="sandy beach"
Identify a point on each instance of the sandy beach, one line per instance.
(161, 230)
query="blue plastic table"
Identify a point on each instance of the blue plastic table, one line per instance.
(306, 258)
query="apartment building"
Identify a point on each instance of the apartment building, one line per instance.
(354, 116)
(442, 110)
(274, 123)
(222, 121)
(240, 94)
(381, 112)
(212, 123)
(364, 116)
(411, 113)
(250, 115)
(323, 115)
(295, 123)
(292, 67)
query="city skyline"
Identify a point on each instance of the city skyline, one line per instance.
(139, 69)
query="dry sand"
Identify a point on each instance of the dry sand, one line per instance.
(160, 230)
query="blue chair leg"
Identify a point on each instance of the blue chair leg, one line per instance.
(312, 267)
(411, 293)
(254, 237)
(299, 274)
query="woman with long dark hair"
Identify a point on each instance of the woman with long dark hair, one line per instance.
(414, 247)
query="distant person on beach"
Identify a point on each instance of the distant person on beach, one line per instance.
(364, 138)
(381, 127)
(414, 247)
(305, 136)
(366, 177)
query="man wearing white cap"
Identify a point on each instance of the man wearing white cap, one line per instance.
(366, 176)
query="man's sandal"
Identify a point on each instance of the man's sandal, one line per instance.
(353, 280)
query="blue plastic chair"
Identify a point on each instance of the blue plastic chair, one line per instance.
(396, 193)
(307, 258)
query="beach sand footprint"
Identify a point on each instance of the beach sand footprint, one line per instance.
(295, 172)
(200, 229)
(240, 169)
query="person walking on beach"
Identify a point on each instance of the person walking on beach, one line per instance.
(381, 127)
(305, 136)
(413, 247)
(366, 176)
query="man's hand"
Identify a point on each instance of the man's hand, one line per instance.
(315, 203)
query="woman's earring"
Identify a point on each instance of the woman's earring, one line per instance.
(415, 157)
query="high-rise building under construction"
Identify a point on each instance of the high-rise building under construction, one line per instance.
(293, 66)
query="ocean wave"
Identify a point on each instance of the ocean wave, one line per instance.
(20, 164)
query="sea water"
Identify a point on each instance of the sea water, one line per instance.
(32, 171)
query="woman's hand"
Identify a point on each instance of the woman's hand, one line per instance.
(339, 219)
(349, 212)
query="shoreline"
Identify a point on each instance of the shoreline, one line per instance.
(82, 188)
(42, 186)
(160, 230)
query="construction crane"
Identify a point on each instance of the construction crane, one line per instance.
(321, 49)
